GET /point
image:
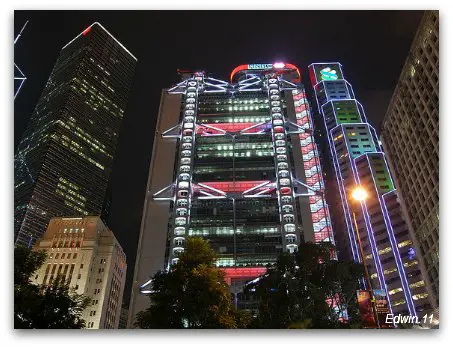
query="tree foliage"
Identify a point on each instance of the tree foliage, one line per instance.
(304, 290)
(48, 307)
(192, 294)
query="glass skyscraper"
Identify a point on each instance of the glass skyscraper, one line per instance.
(64, 160)
(358, 161)
(236, 163)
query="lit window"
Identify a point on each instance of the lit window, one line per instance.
(385, 250)
(389, 271)
(411, 263)
(419, 296)
(400, 302)
(394, 291)
(417, 284)
(404, 243)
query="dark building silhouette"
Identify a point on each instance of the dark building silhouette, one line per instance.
(63, 163)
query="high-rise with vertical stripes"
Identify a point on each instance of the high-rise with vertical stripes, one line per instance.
(234, 162)
(410, 137)
(64, 160)
(358, 161)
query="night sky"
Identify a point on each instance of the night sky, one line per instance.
(371, 45)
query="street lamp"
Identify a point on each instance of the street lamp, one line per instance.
(359, 194)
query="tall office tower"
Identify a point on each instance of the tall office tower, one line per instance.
(358, 161)
(410, 137)
(63, 163)
(87, 255)
(236, 163)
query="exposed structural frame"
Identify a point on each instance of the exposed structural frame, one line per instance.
(182, 191)
(18, 74)
(284, 123)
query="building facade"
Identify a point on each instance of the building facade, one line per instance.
(87, 255)
(236, 163)
(64, 160)
(410, 137)
(359, 161)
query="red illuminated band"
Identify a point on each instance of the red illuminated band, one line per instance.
(237, 69)
(244, 273)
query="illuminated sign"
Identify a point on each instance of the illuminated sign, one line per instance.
(293, 71)
(366, 308)
(260, 66)
(382, 307)
(327, 74)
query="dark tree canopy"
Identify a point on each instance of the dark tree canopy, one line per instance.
(48, 307)
(193, 294)
(304, 290)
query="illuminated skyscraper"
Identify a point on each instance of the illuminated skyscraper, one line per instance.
(63, 163)
(410, 137)
(358, 160)
(236, 163)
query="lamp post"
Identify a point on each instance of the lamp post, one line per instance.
(359, 194)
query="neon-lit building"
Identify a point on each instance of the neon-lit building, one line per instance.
(234, 162)
(358, 160)
(64, 160)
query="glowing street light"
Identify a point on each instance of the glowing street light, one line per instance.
(359, 194)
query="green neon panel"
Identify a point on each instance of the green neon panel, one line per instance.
(346, 112)
(381, 175)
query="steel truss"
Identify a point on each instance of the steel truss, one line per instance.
(18, 74)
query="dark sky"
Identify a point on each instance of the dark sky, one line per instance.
(371, 45)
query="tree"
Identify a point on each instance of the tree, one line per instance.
(308, 289)
(192, 294)
(47, 307)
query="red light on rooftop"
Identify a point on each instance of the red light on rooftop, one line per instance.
(86, 31)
